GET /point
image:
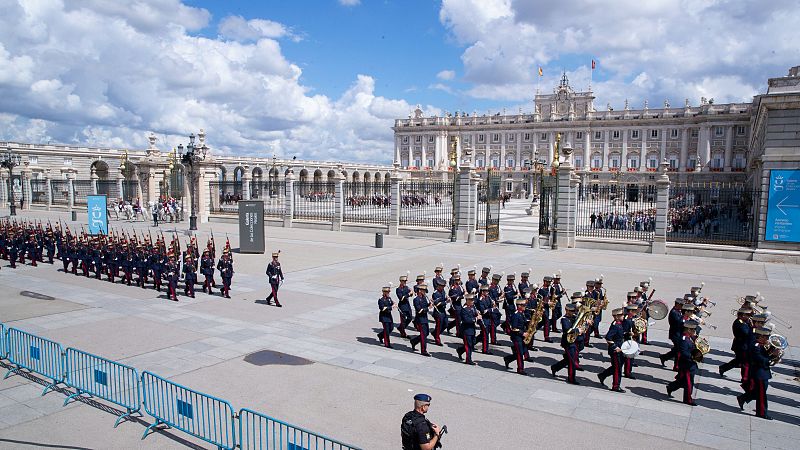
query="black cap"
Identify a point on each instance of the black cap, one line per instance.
(423, 398)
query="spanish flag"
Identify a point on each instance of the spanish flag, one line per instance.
(540, 71)
(594, 64)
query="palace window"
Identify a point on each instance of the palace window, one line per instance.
(480, 162)
(673, 162)
(692, 163)
(633, 162)
(695, 132)
(634, 134)
(430, 162)
(526, 137)
(404, 163)
(510, 137)
(598, 135)
(673, 133)
(614, 161)
(430, 139)
(615, 134)
(481, 138)
(543, 137)
(740, 130)
(495, 137)
(738, 162)
(417, 163)
(716, 163)
(719, 131)
(510, 163)
(405, 139)
(67, 161)
(597, 162)
(33, 159)
(654, 133)
(578, 162)
(509, 186)
(579, 135)
(495, 163)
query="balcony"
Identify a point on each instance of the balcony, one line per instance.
(633, 169)
(716, 169)
(737, 169)
(596, 169)
(652, 169)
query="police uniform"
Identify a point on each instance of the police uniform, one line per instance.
(403, 293)
(415, 429)
(570, 359)
(385, 304)
(469, 318)
(742, 337)
(687, 366)
(759, 361)
(517, 327)
(275, 274)
(421, 305)
(614, 337)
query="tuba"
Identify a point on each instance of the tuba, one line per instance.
(776, 346)
(585, 315)
(702, 347)
(536, 317)
(639, 325)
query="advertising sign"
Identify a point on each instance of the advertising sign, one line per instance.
(251, 226)
(97, 209)
(783, 207)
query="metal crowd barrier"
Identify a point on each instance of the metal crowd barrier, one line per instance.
(3, 346)
(103, 378)
(37, 354)
(203, 416)
(259, 431)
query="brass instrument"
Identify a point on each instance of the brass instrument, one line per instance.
(639, 325)
(757, 309)
(538, 313)
(585, 315)
(776, 346)
(702, 347)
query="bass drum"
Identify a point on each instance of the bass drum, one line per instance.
(630, 348)
(657, 309)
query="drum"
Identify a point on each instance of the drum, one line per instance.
(657, 309)
(630, 348)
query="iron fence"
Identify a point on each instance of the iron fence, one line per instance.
(426, 204)
(315, 200)
(547, 189)
(272, 192)
(616, 211)
(225, 196)
(81, 189)
(367, 202)
(130, 190)
(109, 188)
(38, 192)
(480, 223)
(60, 191)
(713, 214)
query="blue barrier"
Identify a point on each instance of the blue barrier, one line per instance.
(198, 414)
(103, 378)
(3, 346)
(258, 431)
(36, 354)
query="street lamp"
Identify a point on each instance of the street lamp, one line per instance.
(273, 178)
(191, 159)
(11, 160)
(454, 167)
(554, 165)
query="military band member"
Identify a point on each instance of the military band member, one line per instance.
(543, 295)
(675, 319)
(570, 360)
(556, 292)
(456, 294)
(469, 317)
(225, 267)
(420, 280)
(484, 306)
(437, 275)
(454, 272)
(614, 337)
(385, 305)
(472, 285)
(421, 305)
(687, 366)
(759, 362)
(742, 337)
(644, 300)
(403, 294)
(484, 278)
(189, 275)
(207, 269)
(275, 274)
(517, 327)
(509, 301)
(593, 294)
(494, 295)
(439, 298)
(627, 327)
(601, 299)
(171, 273)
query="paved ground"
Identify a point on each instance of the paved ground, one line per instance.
(344, 384)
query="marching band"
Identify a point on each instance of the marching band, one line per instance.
(521, 309)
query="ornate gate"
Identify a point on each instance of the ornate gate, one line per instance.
(493, 184)
(546, 203)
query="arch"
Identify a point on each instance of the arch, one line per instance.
(238, 174)
(129, 172)
(100, 169)
(257, 172)
(387, 178)
(222, 173)
(317, 176)
(286, 172)
(331, 175)
(274, 172)
(303, 176)
(356, 176)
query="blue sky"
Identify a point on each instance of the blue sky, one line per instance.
(326, 79)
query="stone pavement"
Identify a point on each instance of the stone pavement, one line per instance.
(342, 383)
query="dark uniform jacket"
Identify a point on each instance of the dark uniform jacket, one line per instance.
(385, 309)
(759, 363)
(420, 309)
(468, 317)
(742, 335)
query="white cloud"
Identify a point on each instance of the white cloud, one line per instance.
(349, 2)
(446, 75)
(107, 73)
(655, 49)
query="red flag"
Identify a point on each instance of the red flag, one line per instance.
(594, 64)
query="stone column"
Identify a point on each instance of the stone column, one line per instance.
(397, 145)
(663, 153)
(684, 159)
(3, 189)
(394, 212)
(518, 160)
(49, 186)
(606, 150)
(467, 203)
(120, 179)
(26, 189)
(623, 163)
(643, 153)
(152, 187)
(575, 182)
(71, 190)
(338, 199)
(704, 147)
(288, 202)
(246, 182)
(94, 179)
(728, 148)
(564, 223)
(662, 211)
(587, 150)
(424, 155)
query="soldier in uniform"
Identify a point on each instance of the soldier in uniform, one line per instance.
(484, 279)
(472, 285)
(543, 295)
(614, 337)
(644, 298)
(687, 366)
(454, 272)
(742, 336)
(437, 275)
(675, 320)
(207, 269)
(189, 275)
(439, 298)
(421, 304)
(97, 261)
(50, 245)
(556, 292)
(600, 298)
(403, 294)
(456, 294)
(385, 305)
(759, 362)
(13, 251)
(484, 307)
(495, 317)
(275, 274)
(509, 301)
(570, 360)
(420, 281)
(225, 267)
(128, 263)
(517, 327)
(593, 294)
(171, 271)
(469, 316)
(157, 266)
(627, 328)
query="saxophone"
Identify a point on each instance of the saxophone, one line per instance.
(538, 313)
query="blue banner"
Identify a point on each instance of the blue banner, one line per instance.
(98, 215)
(783, 207)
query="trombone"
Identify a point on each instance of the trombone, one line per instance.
(758, 309)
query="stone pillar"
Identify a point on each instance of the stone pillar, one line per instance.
(606, 150)
(467, 203)
(684, 159)
(3, 189)
(564, 223)
(26, 189)
(246, 183)
(207, 199)
(424, 155)
(71, 190)
(152, 187)
(288, 202)
(120, 179)
(49, 186)
(663, 154)
(728, 148)
(704, 147)
(643, 153)
(587, 150)
(94, 179)
(662, 211)
(575, 182)
(395, 203)
(623, 163)
(338, 202)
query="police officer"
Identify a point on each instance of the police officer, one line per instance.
(421, 305)
(759, 361)
(570, 360)
(469, 317)
(225, 267)
(742, 336)
(385, 305)
(614, 337)
(403, 294)
(517, 327)
(687, 366)
(439, 298)
(189, 275)
(417, 432)
(275, 274)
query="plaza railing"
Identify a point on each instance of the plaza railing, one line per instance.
(38, 194)
(81, 189)
(225, 196)
(713, 213)
(60, 192)
(426, 203)
(616, 211)
(481, 211)
(315, 200)
(109, 188)
(201, 415)
(273, 193)
(367, 202)
(130, 190)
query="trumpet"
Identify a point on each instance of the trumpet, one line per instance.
(700, 320)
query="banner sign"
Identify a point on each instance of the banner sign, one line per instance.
(98, 214)
(783, 206)
(251, 226)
